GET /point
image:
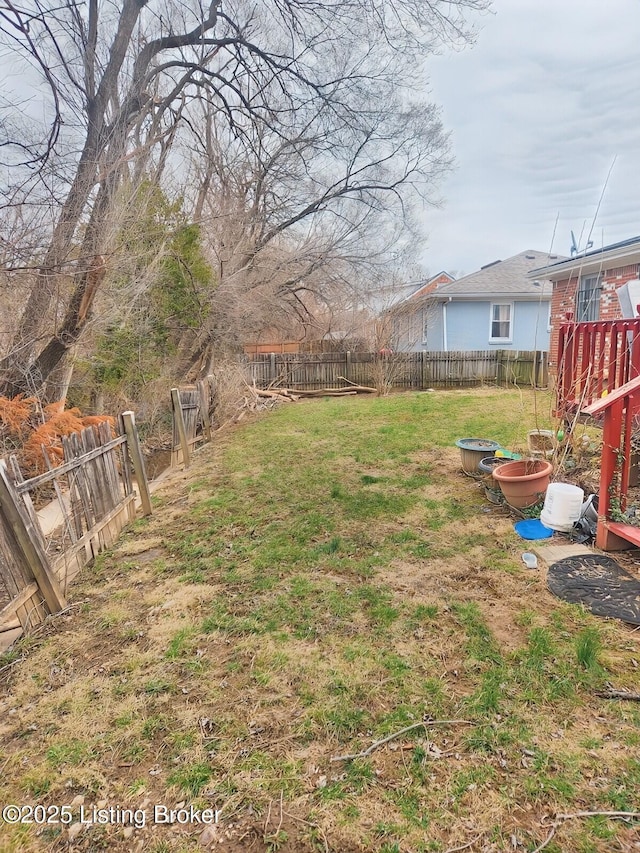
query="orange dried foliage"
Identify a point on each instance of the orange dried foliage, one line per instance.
(54, 408)
(94, 420)
(16, 414)
(59, 421)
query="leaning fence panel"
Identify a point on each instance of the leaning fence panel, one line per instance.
(191, 405)
(92, 500)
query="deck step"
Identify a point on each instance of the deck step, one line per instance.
(625, 531)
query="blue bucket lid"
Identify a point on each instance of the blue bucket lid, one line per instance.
(532, 528)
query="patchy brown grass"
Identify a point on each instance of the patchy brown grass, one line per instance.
(321, 578)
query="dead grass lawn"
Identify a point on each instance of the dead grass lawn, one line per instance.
(320, 579)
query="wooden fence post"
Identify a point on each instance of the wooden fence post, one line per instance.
(28, 541)
(272, 367)
(179, 422)
(133, 444)
(500, 371)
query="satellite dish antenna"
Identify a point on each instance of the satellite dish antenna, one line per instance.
(574, 245)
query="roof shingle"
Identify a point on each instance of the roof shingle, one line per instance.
(507, 278)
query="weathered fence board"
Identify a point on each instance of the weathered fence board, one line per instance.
(24, 610)
(102, 534)
(27, 541)
(413, 370)
(128, 421)
(94, 501)
(190, 406)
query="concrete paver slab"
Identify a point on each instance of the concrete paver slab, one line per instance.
(553, 553)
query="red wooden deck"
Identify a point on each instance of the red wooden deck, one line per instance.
(599, 376)
(593, 360)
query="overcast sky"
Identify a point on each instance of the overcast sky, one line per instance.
(539, 110)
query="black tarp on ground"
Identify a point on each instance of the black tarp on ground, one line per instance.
(599, 583)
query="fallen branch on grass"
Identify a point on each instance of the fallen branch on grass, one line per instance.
(561, 818)
(296, 393)
(378, 743)
(366, 389)
(618, 694)
(9, 665)
(258, 399)
(282, 395)
(292, 395)
(321, 392)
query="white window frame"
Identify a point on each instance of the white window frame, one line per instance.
(425, 324)
(509, 338)
(588, 295)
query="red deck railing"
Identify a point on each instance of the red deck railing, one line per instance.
(594, 359)
(621, 410)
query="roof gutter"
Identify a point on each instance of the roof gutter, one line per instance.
(593, 262)
(497, 296)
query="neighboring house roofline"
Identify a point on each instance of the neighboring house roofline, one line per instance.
(617, 254)
(428, 285)
(505, 281)
(494, 296)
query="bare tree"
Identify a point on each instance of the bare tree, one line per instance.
(120, 82)
(106, 76)
(289, 213)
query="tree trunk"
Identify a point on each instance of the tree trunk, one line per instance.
(20, 370)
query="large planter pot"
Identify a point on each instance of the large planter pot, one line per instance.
(473, 450)
(525, 482)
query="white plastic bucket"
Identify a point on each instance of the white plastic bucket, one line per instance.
(562, 506)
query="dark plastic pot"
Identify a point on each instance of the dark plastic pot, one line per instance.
(490, 463)
(492, 489)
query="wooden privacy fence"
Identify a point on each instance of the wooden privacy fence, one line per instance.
(417, 370)
(95, 499)
(190, 407)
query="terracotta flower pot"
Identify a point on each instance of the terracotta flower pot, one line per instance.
(525, 482)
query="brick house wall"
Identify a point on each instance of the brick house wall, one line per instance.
(563, 301)
(430, 286)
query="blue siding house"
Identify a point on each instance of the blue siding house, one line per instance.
(497, 307)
